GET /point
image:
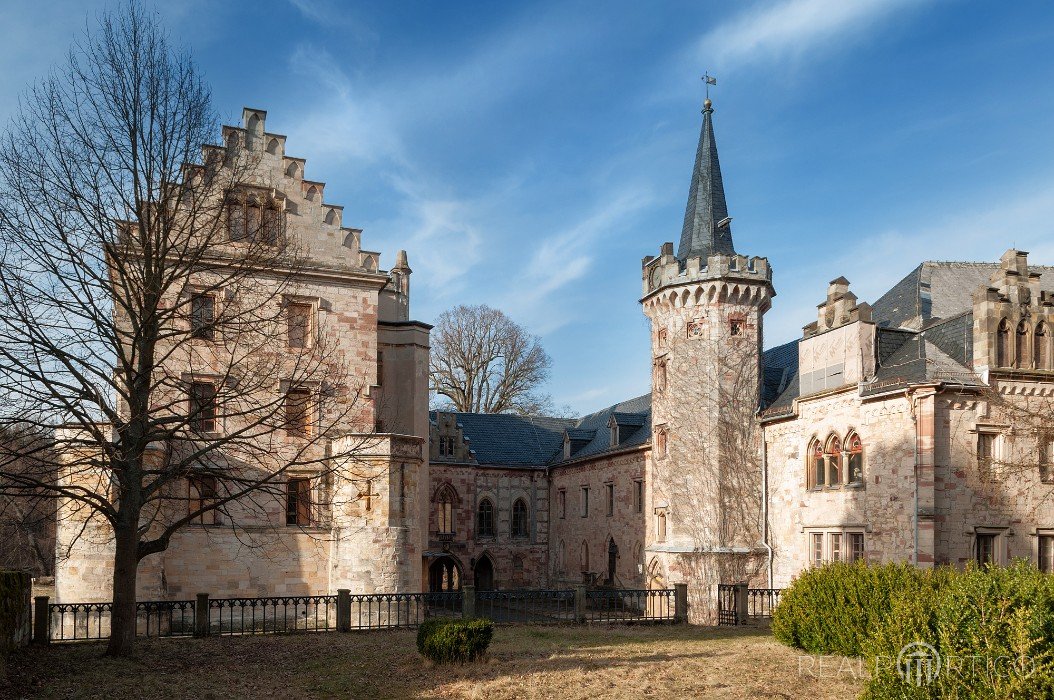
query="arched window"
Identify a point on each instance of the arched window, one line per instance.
(1040, 350)
(833, 452)
(520, 521)
(662, 442)
(1002, 344)
(272, 146)
(292, 169)
(660, 526)
(817, 466)
(312, 193)
(485, 519)
(585, 556)
(854, 449)
(445, 510)
(1021, 347)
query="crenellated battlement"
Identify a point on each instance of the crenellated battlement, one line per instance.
(666, 270)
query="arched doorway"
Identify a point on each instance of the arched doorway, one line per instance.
(444, 575)
(612, 560)
(483, 573)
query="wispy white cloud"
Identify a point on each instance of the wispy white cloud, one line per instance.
(793, 27)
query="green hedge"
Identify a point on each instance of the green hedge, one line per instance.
(454, 641)
(993, 628)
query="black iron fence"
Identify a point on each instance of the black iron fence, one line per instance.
(737, 604)
(346, 612)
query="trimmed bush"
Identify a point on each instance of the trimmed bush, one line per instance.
(454, 641)
(993, 628)
(833, 609)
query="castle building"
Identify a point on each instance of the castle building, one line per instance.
(918, 429)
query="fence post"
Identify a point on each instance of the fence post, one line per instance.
(741, 603)
(41, 620)
(680, 602)
(580, 603)
(468, 602)
(343, 609)
(201, 615)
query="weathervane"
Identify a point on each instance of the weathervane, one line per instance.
(709, 80)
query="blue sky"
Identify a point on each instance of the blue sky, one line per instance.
(529, 155)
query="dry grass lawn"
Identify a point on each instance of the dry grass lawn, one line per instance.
(525, 662)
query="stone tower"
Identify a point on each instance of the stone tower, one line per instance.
(706, 304)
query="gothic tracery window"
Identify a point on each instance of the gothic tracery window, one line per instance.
(485, 519)
(445, 511)
(520, 521)
(854, 449)
(817, 466)
(833, 452)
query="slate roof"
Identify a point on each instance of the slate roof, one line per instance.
(513, 441)
(635, 413)
(700, 235)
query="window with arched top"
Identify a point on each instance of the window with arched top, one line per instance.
(1040, 349)
(854, 459)
(520, 520)
(445, 510)
(662, 444)
(272, 146)
(292, 170)
(1002, 344)
(660, 526)
(312, 193)
(817, 465)
(485, 519)
(833, 453)
(1021, 346)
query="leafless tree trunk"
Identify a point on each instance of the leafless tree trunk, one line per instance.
(115, 224)
(484, 362)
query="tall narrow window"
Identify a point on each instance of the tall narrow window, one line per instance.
(1002, 344)
(817, 466)
(298, 502)
(203, 407)
(660, 526)
(1021, 348)
(298, 413)
(561, 502)
(236, 221)
(1046, 457)
(817, 549)
(520, 521)
(986, 549)
(1040, 349)
(253, 222)
(856, 546)
(662, 438)
(638, 496)
(610, 492)
(585, 502)
(446, 511)
(854, 460)
(836, 546)
(298, 318)
(985, 454)
(485, 519)
(272, 219)
(202, 316)
(1046, 554)
(834, 461)
(203, 495)
(585, 556)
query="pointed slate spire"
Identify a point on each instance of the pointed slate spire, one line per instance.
(707, 228)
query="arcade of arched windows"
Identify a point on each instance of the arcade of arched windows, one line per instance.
(1024, 346)
(834, 462)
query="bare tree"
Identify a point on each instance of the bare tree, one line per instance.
(484, 362)
(27, 523)
(144, 310)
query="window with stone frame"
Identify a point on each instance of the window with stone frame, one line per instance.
(299, 325)
(202, 316)
(856, 546)
(1045, 553)
(298, 409)
(987, 454)
(203, 494)
(1021, 348)
(485, 519)
(446, 446)
(1045, 449)
(1041, 346)
(816, 551)
(638, 496)
(833, 455)
(1002, 344)
(985, 548)
(817, 473)
(825, 463)
(660, 526)
(561, 502)
(610, 500)
(585, 502)
(854, 460)
(834, 546)
(236, 221)
(521, 526)
(445, 510)
(298, 502)
(735, 327)
(662, 442)
(202, 407)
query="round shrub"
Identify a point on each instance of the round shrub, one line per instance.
(454, 641)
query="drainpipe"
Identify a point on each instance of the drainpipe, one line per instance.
(765, 504)
(915, 452)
